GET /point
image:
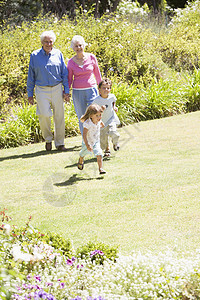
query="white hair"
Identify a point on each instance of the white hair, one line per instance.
(78, 38)
(50, 34)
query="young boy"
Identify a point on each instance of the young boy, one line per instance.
(109, 117)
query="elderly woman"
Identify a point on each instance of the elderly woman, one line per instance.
(47, 74)
(84, 76)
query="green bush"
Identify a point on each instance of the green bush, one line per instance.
(192, 92)
(59, 243)
(22, 127)
(31, 235)
(160, 99)
(147, 65)
(97, 252)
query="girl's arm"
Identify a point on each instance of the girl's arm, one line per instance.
(85, 131)
(102, 124)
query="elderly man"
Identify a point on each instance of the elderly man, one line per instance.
(47, 74)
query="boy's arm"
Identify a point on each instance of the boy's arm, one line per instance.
(85, 131)
(115, 107)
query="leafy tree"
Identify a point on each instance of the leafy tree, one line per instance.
(17, 11)
(59, 7)
(177, 3)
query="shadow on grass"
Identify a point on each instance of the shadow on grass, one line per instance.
(88, 161)
(74, 179)
(38, 153)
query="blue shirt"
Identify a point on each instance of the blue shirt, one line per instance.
(47, 70)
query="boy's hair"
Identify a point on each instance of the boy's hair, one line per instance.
(106, 81)
(92, 109)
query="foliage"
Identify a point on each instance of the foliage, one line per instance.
(59, 243)
(158, 100)
(15, 11)
(161, 276)
(192, 93)
(98, 252)
(22, 126)
(147, 64)
(39, 272)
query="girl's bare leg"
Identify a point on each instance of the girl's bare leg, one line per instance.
(100, 164)
(99, 161)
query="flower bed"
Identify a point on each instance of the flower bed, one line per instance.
(30, 268)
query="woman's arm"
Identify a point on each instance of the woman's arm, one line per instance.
(70, 73)
(97, 72)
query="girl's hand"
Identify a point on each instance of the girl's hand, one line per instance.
(102, 124)
(89, 148)
(115, 109)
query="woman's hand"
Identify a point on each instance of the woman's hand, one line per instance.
(66, 97)
(30, 100)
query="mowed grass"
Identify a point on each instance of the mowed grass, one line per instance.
(148, 200)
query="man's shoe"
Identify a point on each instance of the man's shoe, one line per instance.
(48, 146)
(116, 147)
(61, 148)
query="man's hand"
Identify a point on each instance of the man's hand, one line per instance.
(30, 100)
(66, 97)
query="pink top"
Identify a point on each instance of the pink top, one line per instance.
(85, 76)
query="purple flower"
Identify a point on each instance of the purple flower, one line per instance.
(49, 283)
(38, 278)
(62, 285)
(79, 266)
(51, 297)
(40, 295)
(16, 296)
(96, 298)
(96, 252)
(28, 277)
(43, 295)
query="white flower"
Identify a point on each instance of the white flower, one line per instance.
(7, 228)
(18, 255)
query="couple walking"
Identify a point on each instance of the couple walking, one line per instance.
(49, 75)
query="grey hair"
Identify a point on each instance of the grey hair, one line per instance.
(78, 38)
(50, 34)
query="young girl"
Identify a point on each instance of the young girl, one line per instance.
(91, 135)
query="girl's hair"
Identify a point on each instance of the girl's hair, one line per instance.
(50, 34)
(92, 109)
(78, 38)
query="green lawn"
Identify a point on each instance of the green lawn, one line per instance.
(148, 200)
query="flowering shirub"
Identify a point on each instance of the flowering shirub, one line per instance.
(53, 276)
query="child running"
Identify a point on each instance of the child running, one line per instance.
(91, 135)
(109, 117)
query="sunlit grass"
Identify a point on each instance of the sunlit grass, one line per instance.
(149, 198)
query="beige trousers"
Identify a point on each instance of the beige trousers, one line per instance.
(106, 132)
(48, 99)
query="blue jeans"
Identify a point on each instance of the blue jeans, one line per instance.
(82, 99)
